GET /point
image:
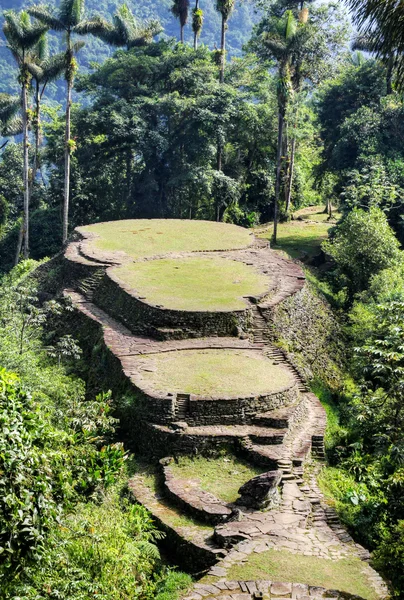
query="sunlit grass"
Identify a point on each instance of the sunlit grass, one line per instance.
(194, 283)
(302, 237)
(213, 372)
(345, 575)
(222, 476)
(152, 237)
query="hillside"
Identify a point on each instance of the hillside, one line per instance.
(206, 384)
(96, 51)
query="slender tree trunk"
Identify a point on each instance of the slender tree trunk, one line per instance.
(219, 168)
(195, 32)
(285, 154)
(281, 120)
(223, 50)
(37, 135)
(67, 162)
(182, 33)
(291, 172)
(389, 75)
(25, 167)
(19, 242)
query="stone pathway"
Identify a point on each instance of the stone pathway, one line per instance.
(263, 589)
(298, 526)
(282, 438)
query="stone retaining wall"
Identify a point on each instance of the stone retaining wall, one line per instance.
(235, 411)
(140, 317)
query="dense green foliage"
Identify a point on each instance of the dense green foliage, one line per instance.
(65, 516)
(165, 129)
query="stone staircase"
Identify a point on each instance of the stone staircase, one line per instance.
(88, 285)
(283, 439)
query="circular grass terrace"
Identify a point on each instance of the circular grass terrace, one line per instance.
(213, 373)
(193, 283)
(143, 238)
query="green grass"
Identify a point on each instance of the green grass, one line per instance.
(201, 284)
(316, 213)
(334, 431)
(300, 239)
(221, 476)
(169, 513)
(345, 575)
(143, 237)
(216, 373)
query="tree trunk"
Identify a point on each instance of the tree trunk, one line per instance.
(19, 243)
(195, 32)
(223, 50)
(37, 135)
(291, 172)
(66, 196)
(285, 154)
(25, 167)
(182, 33)
(389, 75)
(281, 120)
(219, 168)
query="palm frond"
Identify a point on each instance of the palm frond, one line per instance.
(35, 70)
(77, 12)
(12, 127)
(123, 28)
(9, 107)
(97, 26)
(53, 67)
(43, 15)
(12, 28)
(77, 46)
(290, 25)
(42, 48)
(276, 47)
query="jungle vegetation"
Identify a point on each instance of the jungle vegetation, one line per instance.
(242, 112)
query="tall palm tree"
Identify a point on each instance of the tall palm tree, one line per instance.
(197, 23)
(180, 10)
(67, 18)
(283, 41)
(11, 124)
(383, 22)
(124, 31)
(43, 69)
(22, 36)
(225, 7)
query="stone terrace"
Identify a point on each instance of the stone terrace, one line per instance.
(281, 430)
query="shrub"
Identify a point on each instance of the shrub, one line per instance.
(362, 246)
(389, 557)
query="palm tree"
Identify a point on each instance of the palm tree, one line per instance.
(279, 43)
(225, 7)
(383, 22)
(11, 124)
(125, 30)
(22, 36)
(284, 40)
(180, 10)
(370, 43)
(66, 19)
(43, 69)
(197, 23)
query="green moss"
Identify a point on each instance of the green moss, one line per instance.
(346, 575)
(213, 372)
(153, 237)
(205, 284)
(222, 476)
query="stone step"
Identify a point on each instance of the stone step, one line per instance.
(281, 418)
